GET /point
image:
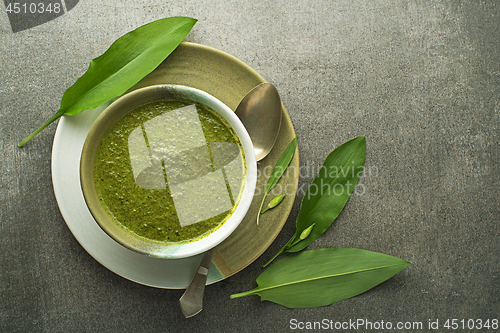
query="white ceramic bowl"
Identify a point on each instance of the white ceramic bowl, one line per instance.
(154, 248)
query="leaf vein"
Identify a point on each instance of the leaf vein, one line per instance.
(324, 277)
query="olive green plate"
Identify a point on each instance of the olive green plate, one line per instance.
(227, 78)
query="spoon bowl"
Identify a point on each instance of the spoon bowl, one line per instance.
(260, 112)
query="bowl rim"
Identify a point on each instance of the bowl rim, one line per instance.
(117, 109)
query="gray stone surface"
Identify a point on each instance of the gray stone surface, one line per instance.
(421, 79)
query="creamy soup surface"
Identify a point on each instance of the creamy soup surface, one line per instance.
(170, 171)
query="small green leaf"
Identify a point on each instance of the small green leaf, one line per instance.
(341, 171)
(321, 277)
(281, 165)
(126, 62)
(278, 170)
(275, 202)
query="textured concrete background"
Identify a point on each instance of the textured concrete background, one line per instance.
(421, 79)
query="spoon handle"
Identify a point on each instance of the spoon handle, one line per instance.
(191, 301)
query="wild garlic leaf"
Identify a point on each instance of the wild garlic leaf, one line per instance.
(321, 277)
(278, 171)
(322, 204)
(281, 165)
(328, 193)
(126, 62)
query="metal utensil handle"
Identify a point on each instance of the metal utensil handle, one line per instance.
(191, 301)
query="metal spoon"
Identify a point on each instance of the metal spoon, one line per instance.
(260, 113)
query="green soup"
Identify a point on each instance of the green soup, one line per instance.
(170, 171)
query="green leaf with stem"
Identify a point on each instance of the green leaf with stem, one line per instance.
(278, 171)
(126, 62)
(328, 193)
(321, 277)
